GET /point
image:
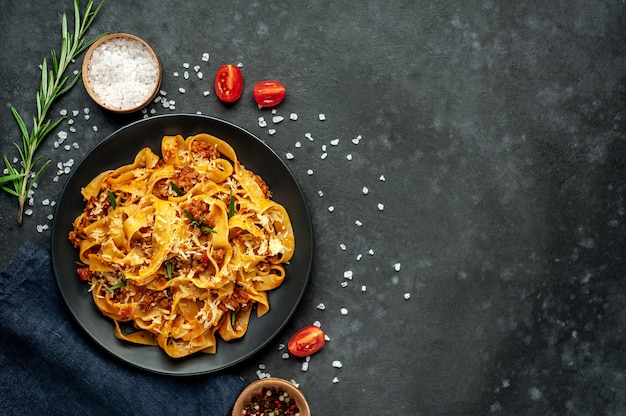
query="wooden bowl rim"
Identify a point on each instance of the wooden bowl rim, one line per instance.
(85, 71)
(257, 386)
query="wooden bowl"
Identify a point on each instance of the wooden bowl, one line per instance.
(257, 387)
(121, 73)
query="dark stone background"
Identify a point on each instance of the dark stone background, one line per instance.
(499, 128)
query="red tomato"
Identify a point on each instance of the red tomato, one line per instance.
(306, 341)
(228, 83)
(269, 93)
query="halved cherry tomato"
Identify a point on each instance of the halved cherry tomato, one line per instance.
(228, 83)
(269, 93)
(306, 341)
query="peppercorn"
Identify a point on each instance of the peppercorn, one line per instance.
(270, 402)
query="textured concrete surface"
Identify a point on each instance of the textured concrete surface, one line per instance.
(493, 135)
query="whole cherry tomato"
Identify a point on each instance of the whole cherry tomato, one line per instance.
(269, 93)
(306, 341)
(228, 83)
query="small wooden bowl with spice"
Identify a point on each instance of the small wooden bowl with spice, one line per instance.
(271, 397)
(121, 73)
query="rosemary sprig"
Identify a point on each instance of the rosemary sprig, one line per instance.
(18, 181)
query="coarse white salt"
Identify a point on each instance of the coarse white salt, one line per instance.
(344, 311)
(200, 75)
(186, 74)
(206, 93)
(122, 73)
(331, 208)
(297, 144)
(62, 135)
(75, 113)
(359, 256)
(363, 288)
(271, 132)
(348, 274)
(182, 90)
(63, 112)
(344, 284)
(358, 223)
(357, 139)
(349, 156)
(382, 178)
(317, 324)
(326, 337)
(371, 252)
(320, 193)
(205, 57)
(293, 116)
(277, 119)
(397, 267)
(335, 380)
(323, 156)
(334, 142)
(321, 307)
(365, 190)
(281, 347)
(95, 128)
(305, 366)
(70, 121)
(309, 172)
(28, 212)
(86, 110)
(322, 117)
(262, 122)
(289, 155)
(407, 296)
(342, 247)
(309, 136)
(337, 364)
(185, 65)
(381, 206)
(285, 356)
(45, 202)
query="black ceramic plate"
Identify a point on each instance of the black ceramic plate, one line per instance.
(120, 148)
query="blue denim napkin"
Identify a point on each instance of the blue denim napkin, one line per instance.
(48, 367)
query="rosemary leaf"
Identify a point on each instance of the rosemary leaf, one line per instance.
(53, 84)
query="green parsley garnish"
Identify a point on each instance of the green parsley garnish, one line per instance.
(168, 269)
(179, 192)
(117, 286)
(231, 207)
(198, 223)
(112, 199)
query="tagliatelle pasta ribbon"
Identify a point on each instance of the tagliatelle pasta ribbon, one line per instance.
(180, 248)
